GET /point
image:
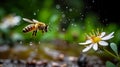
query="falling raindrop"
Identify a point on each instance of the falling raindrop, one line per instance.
(62, 12)
(58, 6)
(75, 25)
(31, 44)
(93, 1)
(38, 10)
(63, 29)
(39, 42)
(64, 22)
(70, 9)
(82, 15)
(34, 13)
(81, 18)
(72, 24)
(69, 19)
(73, 20)
(66, 6)
(63, 15)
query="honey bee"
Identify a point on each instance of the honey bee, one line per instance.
(34, 26)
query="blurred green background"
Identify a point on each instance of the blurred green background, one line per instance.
(68, 22)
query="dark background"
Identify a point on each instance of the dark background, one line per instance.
(108, 10)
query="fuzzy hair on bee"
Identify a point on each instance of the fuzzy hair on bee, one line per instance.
(35, 26)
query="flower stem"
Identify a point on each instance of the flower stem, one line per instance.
(117, 57)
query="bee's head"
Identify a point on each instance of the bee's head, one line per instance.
(46, 28)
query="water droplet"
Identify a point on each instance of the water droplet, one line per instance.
(72, 24)
(93, 1)
(39, 42)
(34, 14)
(58, 6)
(31, 44)
(63, 29)
(82, 15)
(38, 10)
(64, 22)
(75, 25)
(70, 9)
(73, 19)
(63, 15)
(21, 42)
(57, 29)
(68, 19)
(66, 6)
(81, 18)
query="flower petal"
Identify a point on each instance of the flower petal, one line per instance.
(102, 34)
(103, 43)
(87, 48)
(87, 42)
(95, 46)
(108, 36)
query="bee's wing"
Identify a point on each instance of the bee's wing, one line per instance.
(27, 20)
(35, 21)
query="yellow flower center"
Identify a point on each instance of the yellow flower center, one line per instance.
(95, 39)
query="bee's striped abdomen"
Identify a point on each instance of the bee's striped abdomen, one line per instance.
(29, 28)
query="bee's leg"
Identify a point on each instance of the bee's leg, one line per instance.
(35, 32)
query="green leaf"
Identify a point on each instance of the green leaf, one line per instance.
(114, 47)
(110, 64)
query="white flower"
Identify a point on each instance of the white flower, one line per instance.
(10, 21)
(95, 39)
